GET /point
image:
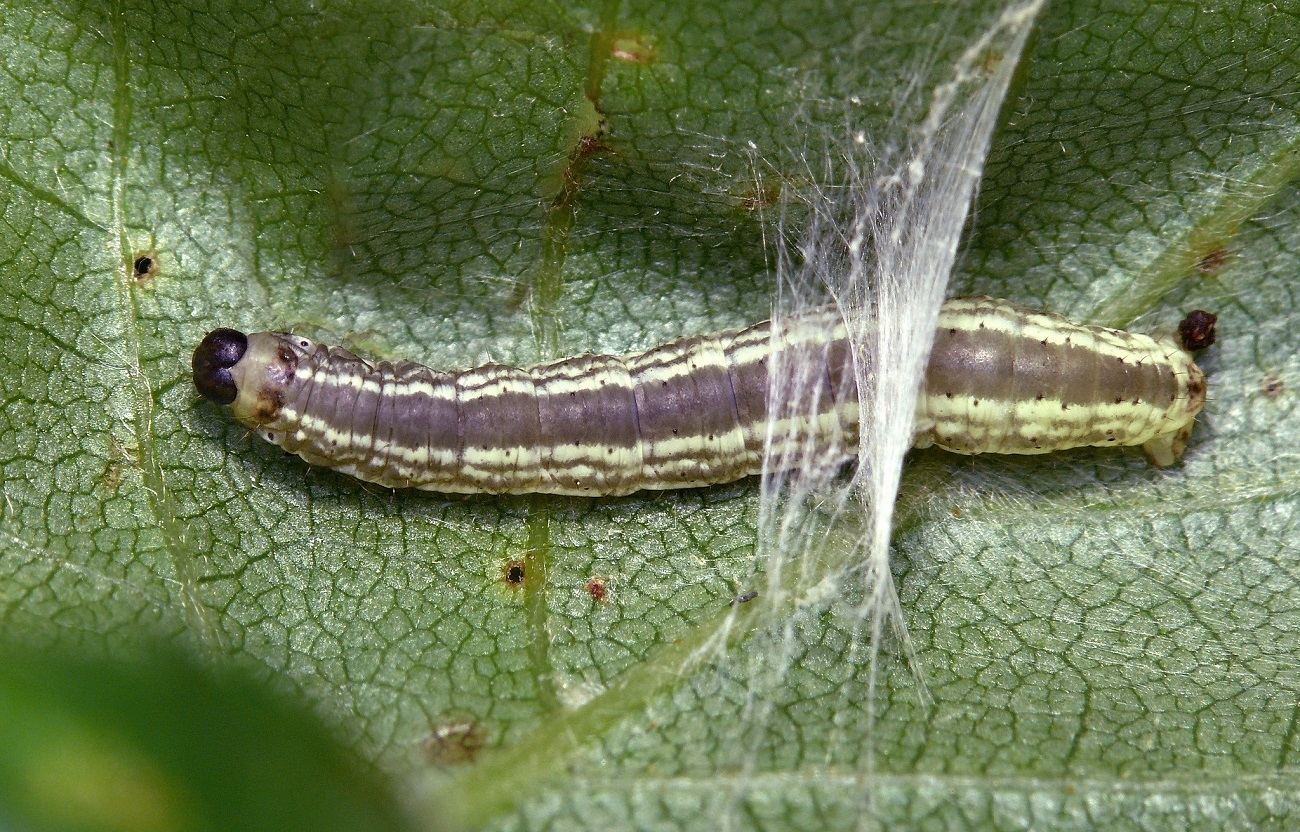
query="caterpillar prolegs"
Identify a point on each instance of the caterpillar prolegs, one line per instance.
(692, 412)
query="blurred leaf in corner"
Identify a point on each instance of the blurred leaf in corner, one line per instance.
(157, 743)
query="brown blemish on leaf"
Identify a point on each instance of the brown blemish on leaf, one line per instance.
(1212, 260)
(760, 198)
(589, 145)
(118, 459)
(589, 142)
(596, 589)
(1272, 386)
(112, 476)
(589, 127)
(456, 740)
(144, 265)
(514, 573)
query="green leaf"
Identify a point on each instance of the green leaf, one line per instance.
(160, 743)
(1106, 644)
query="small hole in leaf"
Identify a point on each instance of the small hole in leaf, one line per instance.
(514, 573)
(144, 266)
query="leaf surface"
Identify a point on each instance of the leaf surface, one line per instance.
(1105, 643)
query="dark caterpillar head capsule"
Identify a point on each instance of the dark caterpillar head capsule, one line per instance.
(1197, 330)
(219, 350)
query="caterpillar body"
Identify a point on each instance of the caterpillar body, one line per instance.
(693, 412)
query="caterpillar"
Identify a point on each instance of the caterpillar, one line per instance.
(692, 412)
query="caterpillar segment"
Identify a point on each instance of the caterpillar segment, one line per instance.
(694, 412)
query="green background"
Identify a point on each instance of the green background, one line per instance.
(1104, 642)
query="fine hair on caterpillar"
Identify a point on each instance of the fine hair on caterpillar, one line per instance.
(693, 412)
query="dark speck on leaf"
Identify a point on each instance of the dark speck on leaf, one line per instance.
(1212, 260)
(514, 573)
(144, 266)
(1196, 331)
(454, 741)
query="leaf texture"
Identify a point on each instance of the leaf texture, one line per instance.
(1105, 644)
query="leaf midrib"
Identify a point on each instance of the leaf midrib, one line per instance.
(1213, 231)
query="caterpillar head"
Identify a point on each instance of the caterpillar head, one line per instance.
(251, 373)
(218, 352)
